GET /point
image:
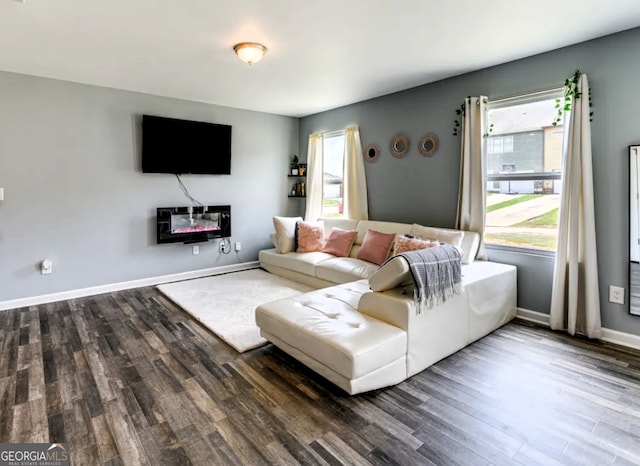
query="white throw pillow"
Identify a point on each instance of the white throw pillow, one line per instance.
(285, 232)
(439, 234)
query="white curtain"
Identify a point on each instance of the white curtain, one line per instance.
(355, 182)
(473, 187)
(314, 177)
(575, 298)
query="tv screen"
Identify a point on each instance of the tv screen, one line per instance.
(182, 146)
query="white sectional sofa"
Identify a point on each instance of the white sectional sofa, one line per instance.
(361, 330)
(319, 269)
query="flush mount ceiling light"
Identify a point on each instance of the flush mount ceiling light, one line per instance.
(249, 52)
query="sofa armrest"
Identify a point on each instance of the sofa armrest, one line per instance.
(391, 306)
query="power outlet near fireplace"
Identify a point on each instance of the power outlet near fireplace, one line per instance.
(224, 247)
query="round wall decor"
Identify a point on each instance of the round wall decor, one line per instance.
(428, 145)
(371, 153)
(400, 145)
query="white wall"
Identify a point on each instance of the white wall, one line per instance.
(74, 192)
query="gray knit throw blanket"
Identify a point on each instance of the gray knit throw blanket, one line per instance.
(437, 274)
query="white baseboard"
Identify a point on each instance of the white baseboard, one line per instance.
(611, 336)
(621, 338)
(100, 289)
(532, 316)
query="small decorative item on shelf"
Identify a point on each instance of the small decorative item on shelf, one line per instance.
(299, 190)
(302, 169)
(294, 165)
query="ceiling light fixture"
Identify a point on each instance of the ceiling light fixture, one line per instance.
(249, 52)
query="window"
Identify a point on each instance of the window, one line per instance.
(500, 144)
(524, 172)
(333, 174)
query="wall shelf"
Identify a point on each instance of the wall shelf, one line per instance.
(299, 188)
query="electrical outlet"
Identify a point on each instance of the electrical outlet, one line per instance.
(46, 267)
(616, 294)
(196, 250)
(238, 246)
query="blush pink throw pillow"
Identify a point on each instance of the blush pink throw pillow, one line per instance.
(339, 242)
(375, 246)
(404, 244)
(310, 236)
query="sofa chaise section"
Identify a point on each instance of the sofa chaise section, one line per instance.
(324, 330)
(362, 340)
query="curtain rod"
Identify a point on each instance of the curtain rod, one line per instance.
(534, 95)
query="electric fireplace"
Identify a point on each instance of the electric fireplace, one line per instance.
(193, 224)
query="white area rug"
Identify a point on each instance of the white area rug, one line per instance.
(226, 303)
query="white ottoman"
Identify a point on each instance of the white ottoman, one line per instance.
(324, 330)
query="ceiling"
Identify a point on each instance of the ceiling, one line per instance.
(321, 54)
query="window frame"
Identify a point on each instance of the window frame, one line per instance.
(329, 135)
(521, 99)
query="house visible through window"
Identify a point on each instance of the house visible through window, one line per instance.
(500, 144)
(524, 172)
(333, 174)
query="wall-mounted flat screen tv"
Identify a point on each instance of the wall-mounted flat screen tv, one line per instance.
(179, 147)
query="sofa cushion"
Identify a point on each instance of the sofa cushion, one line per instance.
(339, 242)
(395, 272)
(338, 222)
(376, 246)
(285, 233)
(406, 244)
(326, 326)
(310, 236)
(383, 227)
(469, 243)
(344, 269)
(438, 234)
(301, 262)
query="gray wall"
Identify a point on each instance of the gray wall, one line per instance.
(425, 190)
(74, 192)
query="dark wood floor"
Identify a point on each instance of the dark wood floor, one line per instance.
(128, 378)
